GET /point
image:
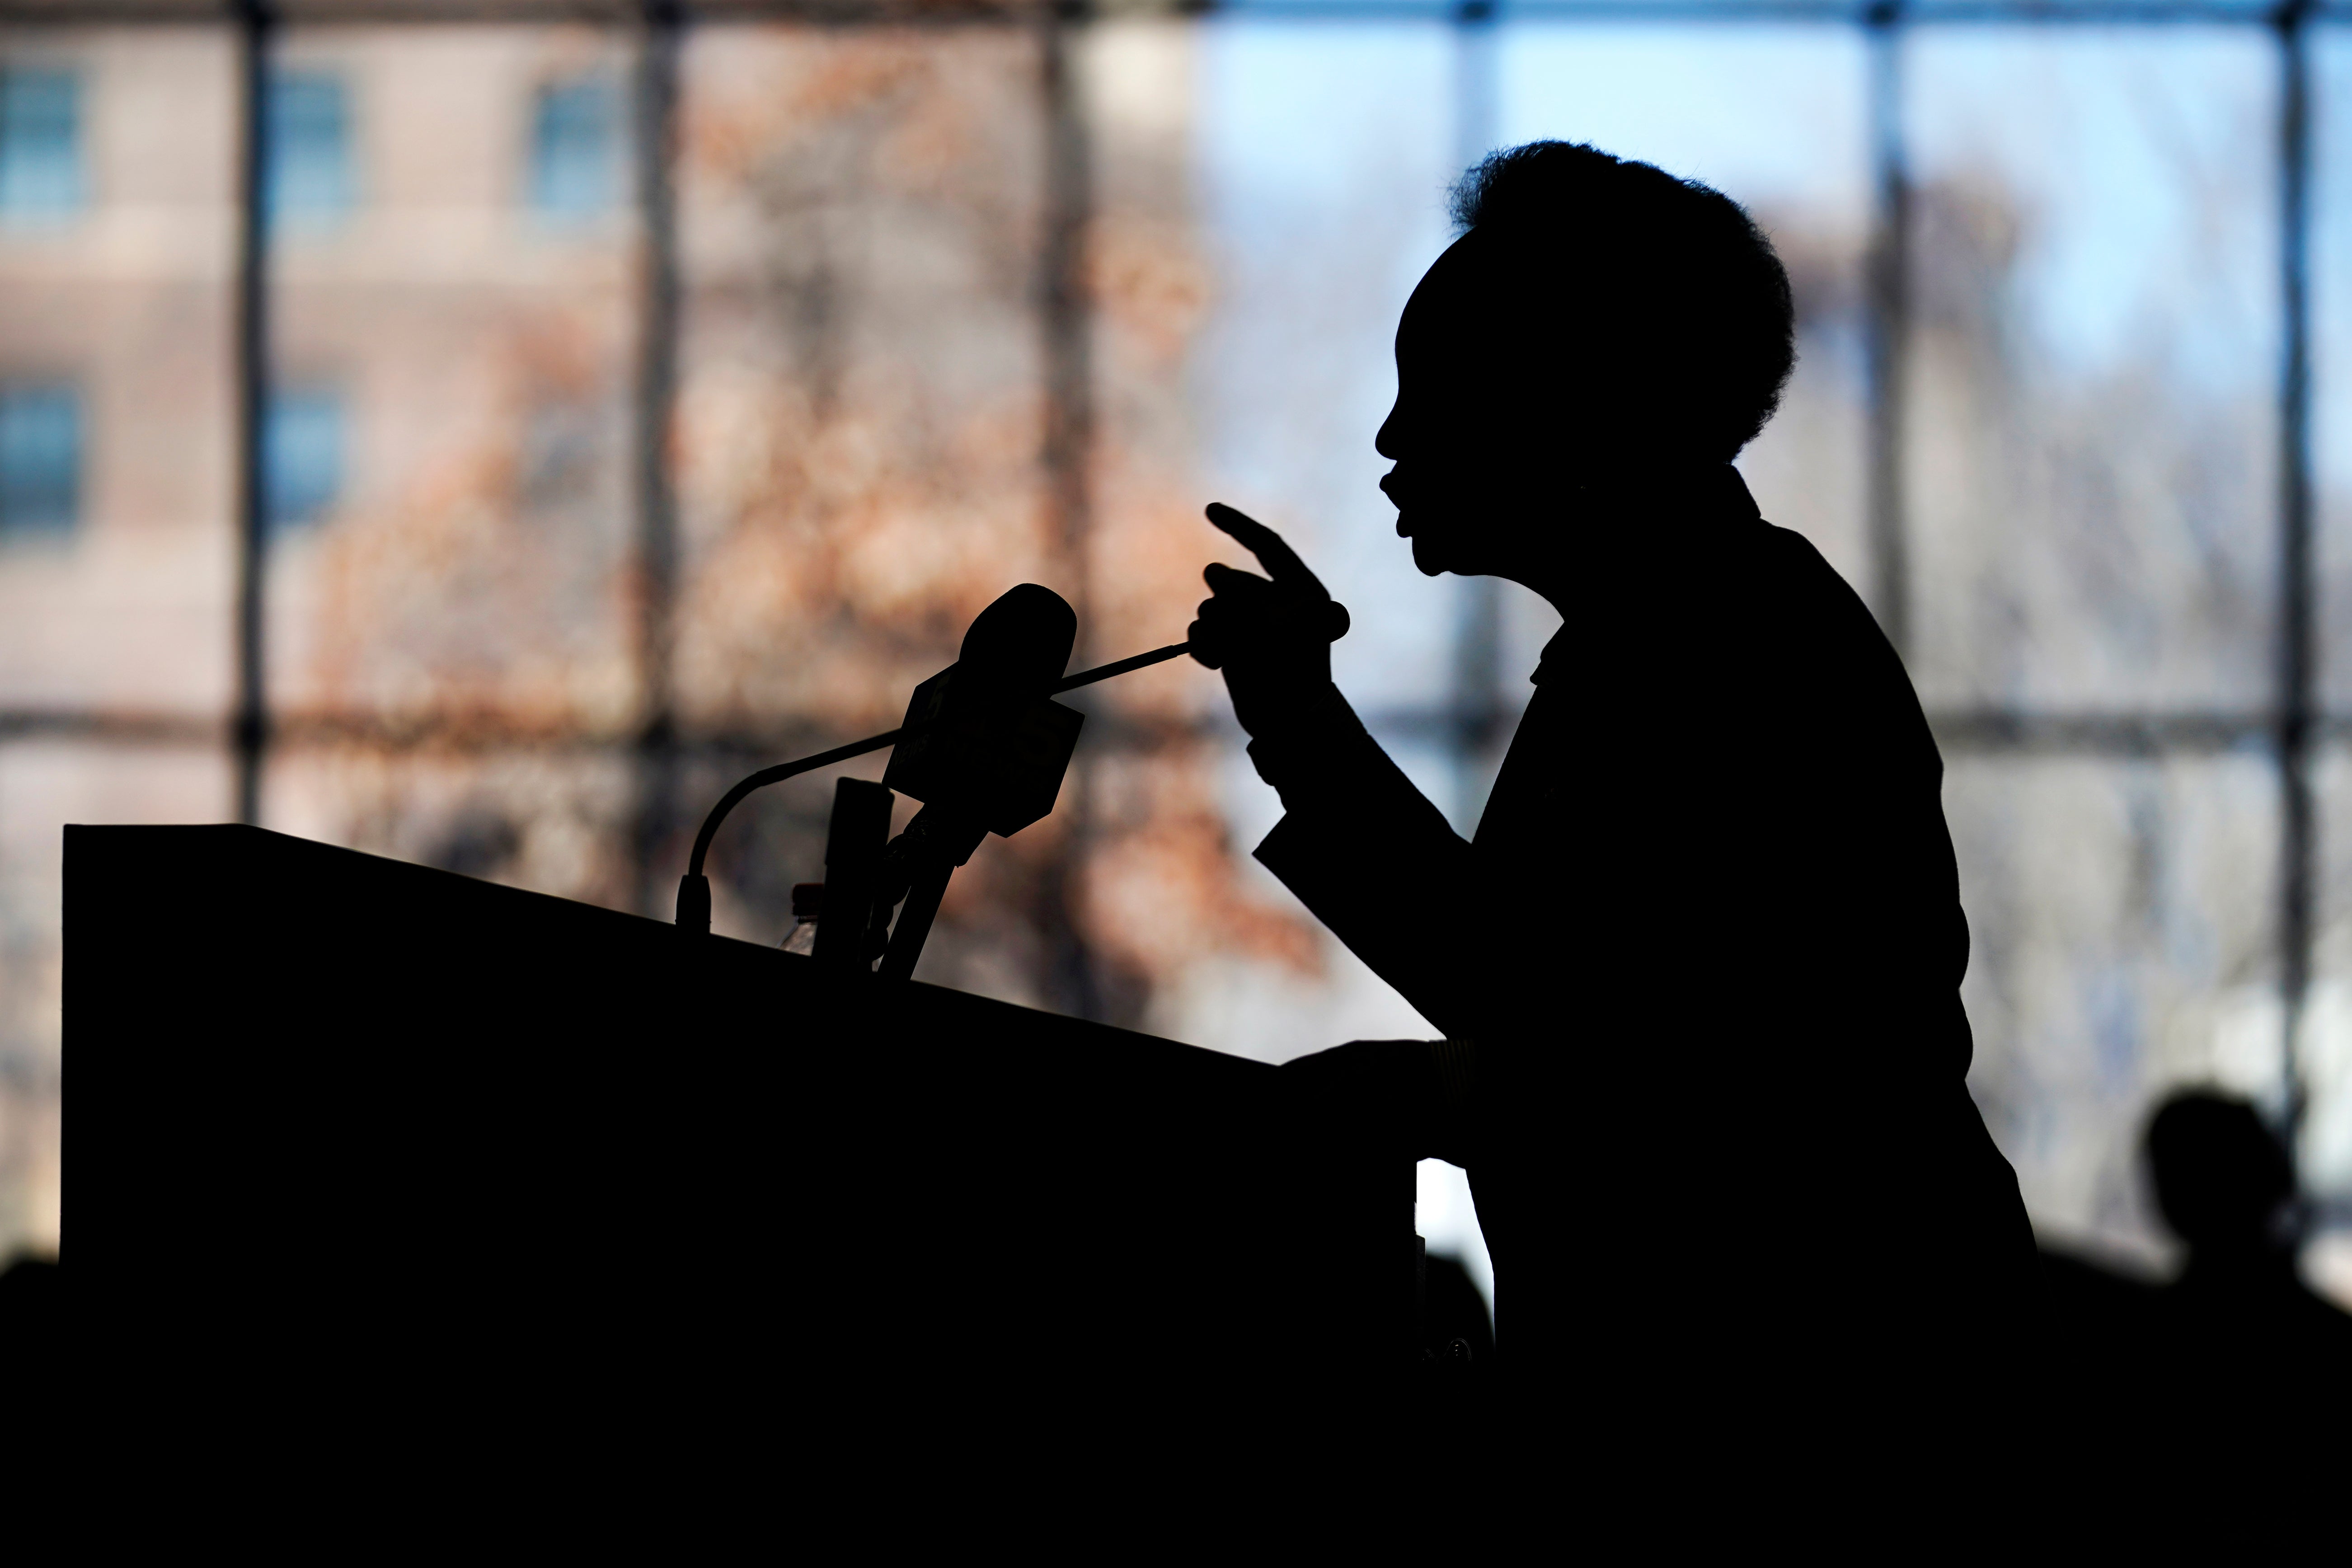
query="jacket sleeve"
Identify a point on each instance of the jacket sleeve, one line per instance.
(1366, 852)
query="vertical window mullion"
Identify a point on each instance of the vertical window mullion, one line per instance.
(2298, 616)
(654, 127)
(251, 722)
(1887, 322)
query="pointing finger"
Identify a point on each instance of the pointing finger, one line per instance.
(1281, 563)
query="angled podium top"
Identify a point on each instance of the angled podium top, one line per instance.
(331, 1100)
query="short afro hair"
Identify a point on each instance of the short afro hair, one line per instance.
(1666, 287)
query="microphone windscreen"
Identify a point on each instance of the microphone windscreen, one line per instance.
(1020, 645)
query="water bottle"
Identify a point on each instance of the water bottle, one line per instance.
(808, 902)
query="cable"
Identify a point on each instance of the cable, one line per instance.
(778, 774)
(1104, 671)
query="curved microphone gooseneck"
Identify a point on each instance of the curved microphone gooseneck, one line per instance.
(694, 888)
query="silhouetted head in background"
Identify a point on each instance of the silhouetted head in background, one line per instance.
(1602, 333)
(2221, 1179)
(2241, 1344)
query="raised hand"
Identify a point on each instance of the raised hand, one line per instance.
(1272, 635)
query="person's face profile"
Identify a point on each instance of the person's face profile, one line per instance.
(1458, 433)
(1428, 437)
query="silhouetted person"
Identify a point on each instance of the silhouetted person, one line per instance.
(2234, 1375)
(2238, 1327)
(1698, 969)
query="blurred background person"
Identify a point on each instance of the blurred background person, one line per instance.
(2234, 1365)
(2238, 1325)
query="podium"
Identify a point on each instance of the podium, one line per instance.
(362, 1143)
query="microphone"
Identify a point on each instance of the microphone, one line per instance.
(986, 747)
(694, 888)
(986, 750)
(983, 746)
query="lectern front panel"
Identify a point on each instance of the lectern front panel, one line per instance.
(359, 1135)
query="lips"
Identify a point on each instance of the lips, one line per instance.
(1388, 487)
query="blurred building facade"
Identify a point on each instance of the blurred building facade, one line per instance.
(630, 400)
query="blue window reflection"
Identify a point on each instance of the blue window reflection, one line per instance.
(575, 148)
(40, 144)
(40, 459)
(309, 128)
(302, 456)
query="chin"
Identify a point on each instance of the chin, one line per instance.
(1443, 556)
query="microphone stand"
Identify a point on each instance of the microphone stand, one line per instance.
(694, 888)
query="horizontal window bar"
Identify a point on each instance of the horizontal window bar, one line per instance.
(1987, 731)
(848, 13)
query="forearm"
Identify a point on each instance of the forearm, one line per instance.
(1365, 850)
(1319, 752)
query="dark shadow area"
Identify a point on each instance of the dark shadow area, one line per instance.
(2096, 1342)
(1452, 1309)
(32, 1315)
(29, 1284)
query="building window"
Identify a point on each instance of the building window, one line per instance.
(302, 457)
(40, 144)
(310, 148)
(40, 459)
(575, 145)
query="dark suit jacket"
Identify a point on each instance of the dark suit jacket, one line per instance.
(1707, 941)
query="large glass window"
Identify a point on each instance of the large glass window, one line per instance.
(452, 643)
(2324, 1040)
(2091, 508)
(569, 524)
(2094, 394)
(118, 546)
